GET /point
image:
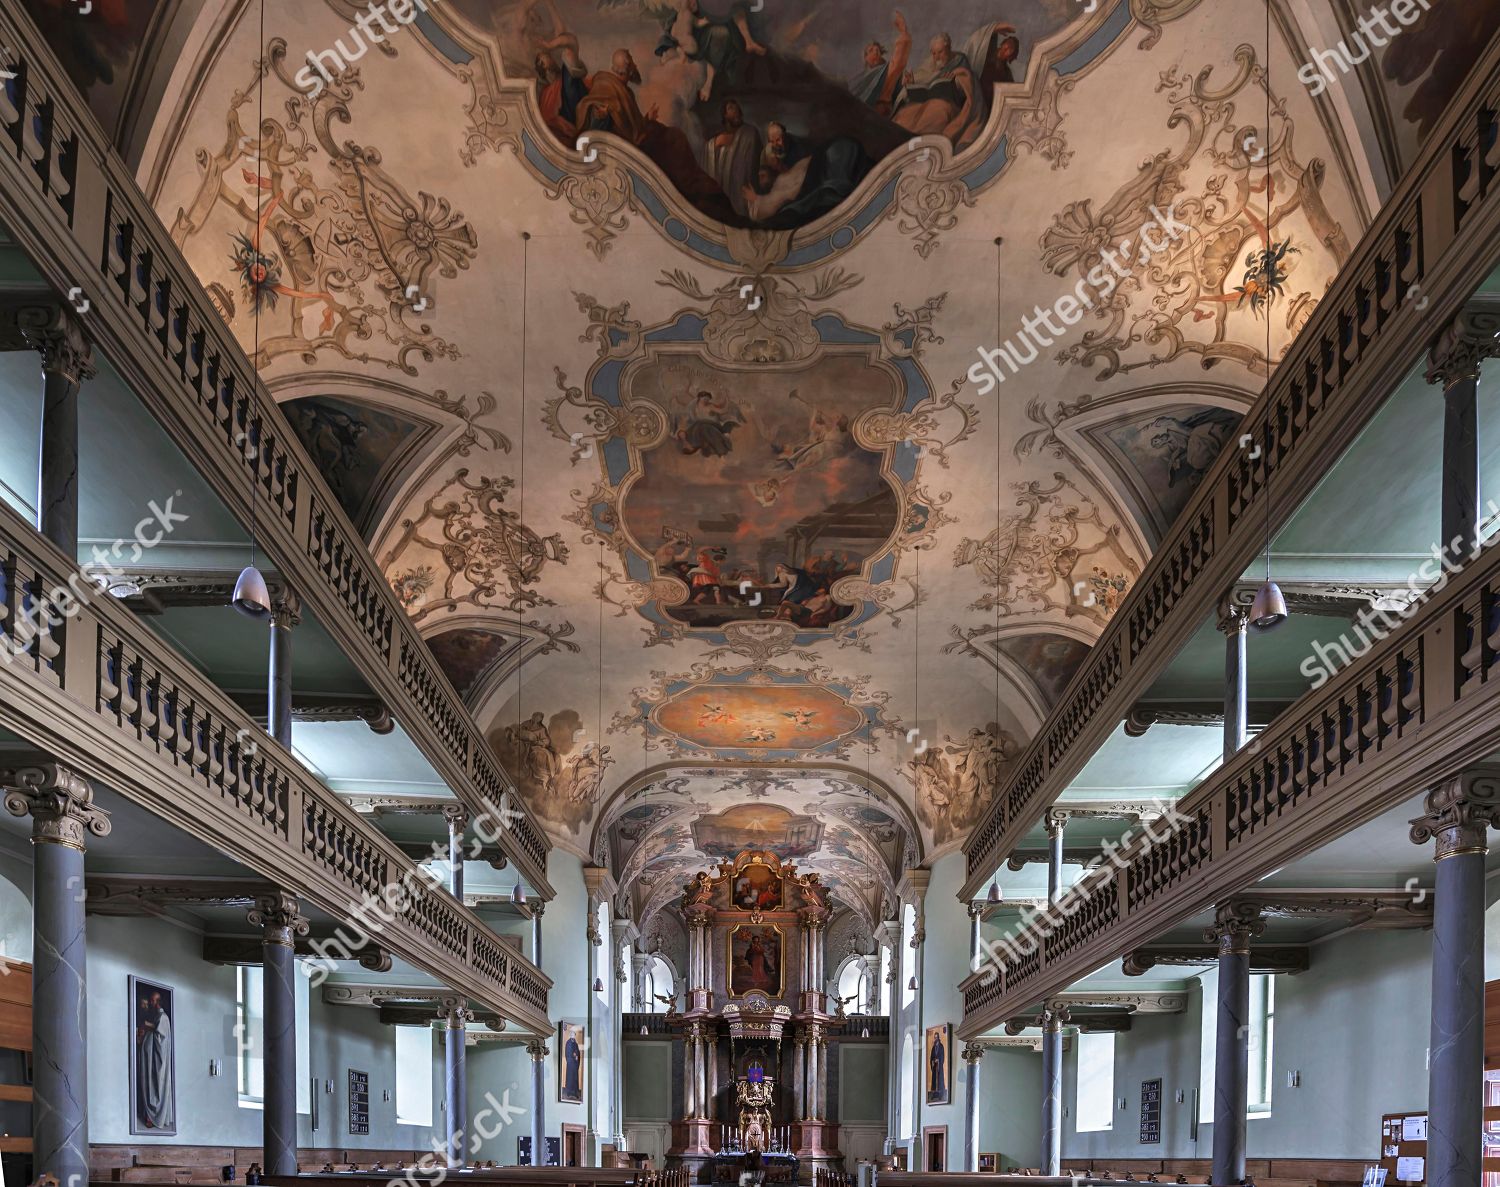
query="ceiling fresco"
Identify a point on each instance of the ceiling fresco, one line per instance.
(667, 483)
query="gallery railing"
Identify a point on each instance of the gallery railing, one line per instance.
(1419, 707)
(72, 205)
(84, 680)
(1431, 245)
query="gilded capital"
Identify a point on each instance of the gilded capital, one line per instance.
(278, 917)
(1459, 814)
(59, 801)
(1235, 924)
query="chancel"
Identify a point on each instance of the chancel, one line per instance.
(652, 593)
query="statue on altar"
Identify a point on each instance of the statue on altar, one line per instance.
(754, 1096)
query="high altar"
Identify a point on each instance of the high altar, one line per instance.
(755, 1020)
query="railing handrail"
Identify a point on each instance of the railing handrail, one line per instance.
(1358, 337)
(272, 787)
(72, 205)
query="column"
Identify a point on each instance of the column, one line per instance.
(456, 1016)
(973, 1053)
(538, 908)
(280, 922)
(871, 1003)
(1057, 823)
(286, 613)
(1233, 621)
(1234, 926)
(67, 361)
(590, 1063)
(1459, 815)
(63, 814)
(690, 1071)
(823, 1076)
(1454, 361)
(622, 934)
(918, 880)
(1054, 1018)
(976, 916)
(698, 982)
(537, 1049)
(814, 1071)
(457, 818)
(889, 937)
(640, 994)
(799, 1077)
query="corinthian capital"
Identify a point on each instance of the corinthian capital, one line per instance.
(455, 1012)
(279, 918)
(973, 1053)
(59, 801)
(537, 1049)
(1472, 337)
(50, 329)
(1236, 923)
(1459, 814)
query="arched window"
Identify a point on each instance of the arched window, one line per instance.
(659, 980)
(853, 982)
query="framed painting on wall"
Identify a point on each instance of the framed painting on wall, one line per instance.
(939, 1048)
(153, 1058)
(755, 960)
(572, 1044)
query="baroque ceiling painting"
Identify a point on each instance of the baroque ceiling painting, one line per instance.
(676, 358)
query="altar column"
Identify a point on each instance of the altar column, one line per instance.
(799, 1078)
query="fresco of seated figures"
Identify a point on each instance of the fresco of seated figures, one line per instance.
(767, 115)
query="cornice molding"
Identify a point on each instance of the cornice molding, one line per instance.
(1264, 958)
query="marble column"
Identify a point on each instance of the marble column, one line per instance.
(1057, 823)
(457, 818)
(973, 1053)
(1454, 362)
(799, 1077)
(639, 992)
(976, 917)
(1054, 1018)
(538, 909)
(623, 933)
(1459, 814)
(537, 1049)
(1235, 924)
(1233, 622)
(280, 922)
(690, 1072)
(456, 1016)
(815, 1072)
(918, 881)
(63, 814)
(823, 1077)
(286, 613)
(591, 1104)
(890, 939)
(67, 362)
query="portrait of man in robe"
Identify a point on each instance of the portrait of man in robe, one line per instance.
(755, 960)
(571, 1047)
(153, 1055)
(939, 1063)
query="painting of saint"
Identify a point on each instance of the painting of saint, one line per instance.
(939, 1064)
(762, 117)
(755, 960)
(153, 1062)
(757, 888)
(572, 1046)
(559, 779)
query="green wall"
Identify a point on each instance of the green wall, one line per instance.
(648, 1080)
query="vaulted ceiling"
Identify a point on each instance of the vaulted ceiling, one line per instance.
(671, 430)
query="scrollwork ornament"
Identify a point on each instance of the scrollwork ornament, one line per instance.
(59, 801)
(1459, 815)
(1235, 925)
(279, 917)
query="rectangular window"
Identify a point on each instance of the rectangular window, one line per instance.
(414, 1076)
(1095, 1104)
(249, 1037)
(1261, 1039)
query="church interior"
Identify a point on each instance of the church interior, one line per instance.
(642, 593)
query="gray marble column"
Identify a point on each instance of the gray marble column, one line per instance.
(63, 814)
(280, 922)
(457, 818)
(973, 1053)
(1454, 362)
(1233, 622)
(1054, 1018)
(1459, 815)
(286, 613)
(799, 1077)
(1235, 924)
(622, 937)
(456, 1017)
(1056, 823)
(538, 909)
(976, 915)
(537, 1049)
(67, 362)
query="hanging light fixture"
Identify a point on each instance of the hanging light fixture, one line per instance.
(994, 894)
(643, 1029)
(864, 1032)
(912, 984)
(1268, 611)
(251, 597)
(518, 895)
(598, 984)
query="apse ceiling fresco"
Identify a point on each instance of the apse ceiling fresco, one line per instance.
(672, 441)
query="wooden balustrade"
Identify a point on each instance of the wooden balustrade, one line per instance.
(73, 206)
(84, 679)
(1435, 239)
(1418, 707)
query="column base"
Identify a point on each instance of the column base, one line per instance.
(816, 1141)
(692, 1138)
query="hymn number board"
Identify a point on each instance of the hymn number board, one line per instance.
(1150, 1112)
(359, 1102)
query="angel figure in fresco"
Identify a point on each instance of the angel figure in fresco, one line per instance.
(801, 718)
(760, 733)
(714, 715)
(705, 424)
(700, 891)
(827, 438)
